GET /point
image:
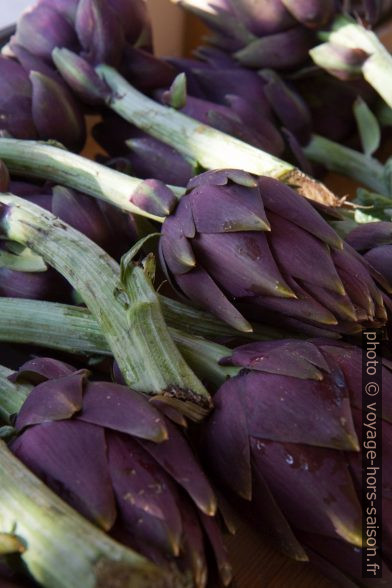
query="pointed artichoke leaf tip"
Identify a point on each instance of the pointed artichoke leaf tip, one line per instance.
(128, 262)
(177, 94)
(350, 533)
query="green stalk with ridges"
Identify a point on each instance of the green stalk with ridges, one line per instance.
(35, 159)
(75, 330)
(134, 328)
(211, 148)
(348, 162)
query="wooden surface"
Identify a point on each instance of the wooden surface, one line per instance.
(257, 565)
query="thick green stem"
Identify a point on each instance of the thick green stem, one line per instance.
(12, 396)
(198, 322)
(62, 549)
(134, 328)
(33, 159)
(211, 148)
(376, 68)
(204, 357)
(75, 330)
(348, 162)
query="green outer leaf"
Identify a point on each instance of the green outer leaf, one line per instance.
(26, 261)
(377, 68)
(12, 396)
(348, 162)
(368, 127)
(177, 92)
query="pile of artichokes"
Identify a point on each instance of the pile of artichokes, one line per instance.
(184, 299)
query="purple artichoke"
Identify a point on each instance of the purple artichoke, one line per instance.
(291, 423)
(101, 222)
(115, 32)
(116, 459)
(243, 247)
(331, 103)
(139, 154)
(374, 242)
(26, 104)
(264, 34)
(47, 285)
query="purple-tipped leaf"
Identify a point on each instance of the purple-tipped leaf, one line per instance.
(41, 28)
(65, 122)
(177, 458)
(119, 408)
(145, 495)
(70, 457)
(53, 400)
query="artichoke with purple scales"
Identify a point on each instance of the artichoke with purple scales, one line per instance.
(291, 423)
(122, 463)
(26, 105)
(245, 247)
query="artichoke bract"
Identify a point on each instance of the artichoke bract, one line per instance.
(374, 242)
(145, 157)
(121, 463)
(26, 104)
(241, 246)
(291, 423)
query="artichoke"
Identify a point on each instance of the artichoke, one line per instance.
(26, 104)
(99, 221)
(121, 463)
(291, 423)
(135, 152)
(116, 32)
(262, 34)
(374, 242)
(243, 247)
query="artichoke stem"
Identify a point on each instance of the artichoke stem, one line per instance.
(74, 329)
(136, 332)
(348, 162)
(35, 159)
(211, 148)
